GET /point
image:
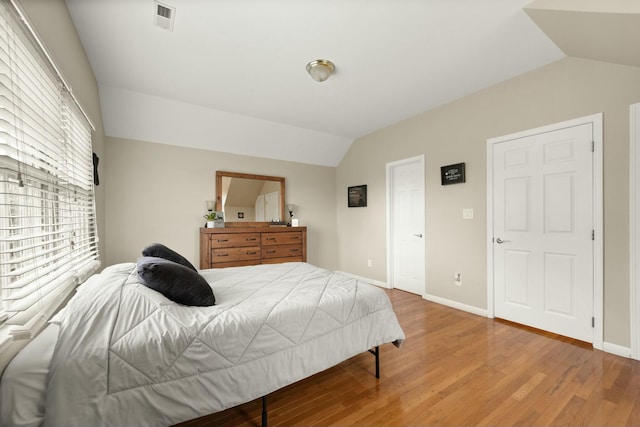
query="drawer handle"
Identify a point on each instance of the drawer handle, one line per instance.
(222, 255)
(295, 237)
(271, 238)
(294, 250)
(271, 252)
(222, 240)
(250, 239)
(251, 253)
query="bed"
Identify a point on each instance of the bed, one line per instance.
(126, 355)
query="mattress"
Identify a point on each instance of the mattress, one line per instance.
(126, 355)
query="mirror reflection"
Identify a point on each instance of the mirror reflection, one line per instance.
(250, 198)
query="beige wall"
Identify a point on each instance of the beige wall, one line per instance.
(54, 26)
(157, 193)
(458, 132)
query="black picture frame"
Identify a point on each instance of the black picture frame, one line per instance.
(452, 174)
(357, 196)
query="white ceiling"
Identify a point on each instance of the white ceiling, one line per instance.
(231, 75)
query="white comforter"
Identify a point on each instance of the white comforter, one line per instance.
(127, 356)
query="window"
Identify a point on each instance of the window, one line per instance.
(48, 237)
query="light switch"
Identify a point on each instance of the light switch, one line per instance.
(467, 213)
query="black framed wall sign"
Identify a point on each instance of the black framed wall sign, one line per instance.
(452, 174)
(357, 196)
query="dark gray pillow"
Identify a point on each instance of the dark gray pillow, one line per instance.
(161, 251)
(175, 281)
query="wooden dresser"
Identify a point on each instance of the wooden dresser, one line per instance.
(237, 246)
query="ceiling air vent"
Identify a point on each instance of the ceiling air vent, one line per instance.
(164, 16)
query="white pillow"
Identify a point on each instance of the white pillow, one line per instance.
(24, 383)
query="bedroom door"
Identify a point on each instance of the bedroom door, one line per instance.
(543, 230)
(406, 205)
(634, 181)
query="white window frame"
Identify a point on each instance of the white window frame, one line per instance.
(48, 229)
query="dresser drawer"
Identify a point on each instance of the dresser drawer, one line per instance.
(288, 238)
(224, 255)
(237, 245)
(234, 240)
(281, 260)
(282, 251)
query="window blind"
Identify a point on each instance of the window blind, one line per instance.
(48, 237)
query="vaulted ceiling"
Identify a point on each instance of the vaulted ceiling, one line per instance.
(231, 74)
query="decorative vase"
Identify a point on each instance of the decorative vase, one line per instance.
(210, 224)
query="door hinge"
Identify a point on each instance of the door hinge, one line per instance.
(593, 146)
(593, 322)
(593, 235)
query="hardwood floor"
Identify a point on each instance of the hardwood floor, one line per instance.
(458, 369)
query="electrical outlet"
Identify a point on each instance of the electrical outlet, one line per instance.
(457, 279)
(369, 263)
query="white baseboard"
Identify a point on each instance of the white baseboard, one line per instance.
(607, 347)
(457, 305)
(366, 279)
(616, 349)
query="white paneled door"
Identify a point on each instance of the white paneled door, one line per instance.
(407, 222)
(634, 202)
(543, 231)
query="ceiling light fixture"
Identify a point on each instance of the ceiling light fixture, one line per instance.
(320, 69)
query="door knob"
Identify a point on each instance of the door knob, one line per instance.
(418, 235)
(500, 241)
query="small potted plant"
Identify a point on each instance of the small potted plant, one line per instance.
(211, 217)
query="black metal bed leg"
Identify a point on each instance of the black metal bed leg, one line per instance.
(377, 362)
(376, 353)
(264, 411)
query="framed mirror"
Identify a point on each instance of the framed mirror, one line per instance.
(248, 199)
